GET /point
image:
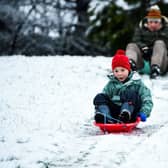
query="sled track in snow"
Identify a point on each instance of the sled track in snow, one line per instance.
(119, 156)
(149, 130)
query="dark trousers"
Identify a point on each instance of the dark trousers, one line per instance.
(129, 100)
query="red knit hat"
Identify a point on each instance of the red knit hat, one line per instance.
(120, 60)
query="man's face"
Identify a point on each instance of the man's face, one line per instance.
(154, 25)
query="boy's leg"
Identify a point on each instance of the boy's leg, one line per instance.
(130, 105)
(102, 111)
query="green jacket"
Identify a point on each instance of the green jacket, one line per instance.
(114, 87)
(144, 37)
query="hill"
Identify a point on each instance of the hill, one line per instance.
(46, 117)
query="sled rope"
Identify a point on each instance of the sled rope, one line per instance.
(117, 120)
(105, 121)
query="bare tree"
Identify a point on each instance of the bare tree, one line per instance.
(60, 24)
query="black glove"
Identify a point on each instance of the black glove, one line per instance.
(145, 50)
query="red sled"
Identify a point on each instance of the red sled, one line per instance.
(118, 127)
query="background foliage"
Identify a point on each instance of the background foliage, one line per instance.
(73, 27)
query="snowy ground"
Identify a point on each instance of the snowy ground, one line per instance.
(46, 117)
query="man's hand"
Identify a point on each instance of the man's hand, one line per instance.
(145, 49)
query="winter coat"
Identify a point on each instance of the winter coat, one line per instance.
(114, 88)
(144, 37)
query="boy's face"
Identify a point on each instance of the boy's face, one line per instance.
(121, 73)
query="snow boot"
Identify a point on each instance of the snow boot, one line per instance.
(133, 65)
(155, 72)
(102, 114)
(127, 109)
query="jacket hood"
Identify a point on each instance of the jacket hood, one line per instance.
(143, 22)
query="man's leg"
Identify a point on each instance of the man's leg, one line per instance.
(133, 52)
(159, 56)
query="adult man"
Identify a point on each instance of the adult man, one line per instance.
(150, 42)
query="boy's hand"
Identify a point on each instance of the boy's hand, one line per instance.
(142, 115)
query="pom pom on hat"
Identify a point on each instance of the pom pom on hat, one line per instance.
(120, 52)
(154, 7)
(120, 60)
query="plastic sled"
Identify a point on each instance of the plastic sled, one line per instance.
(145, 69)
(118, 127)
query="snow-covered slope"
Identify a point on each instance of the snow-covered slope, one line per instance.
(46, 117)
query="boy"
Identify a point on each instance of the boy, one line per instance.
(124, 97)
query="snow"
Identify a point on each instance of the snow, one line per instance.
(46, 117)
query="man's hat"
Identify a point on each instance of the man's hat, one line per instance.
(154, 13)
